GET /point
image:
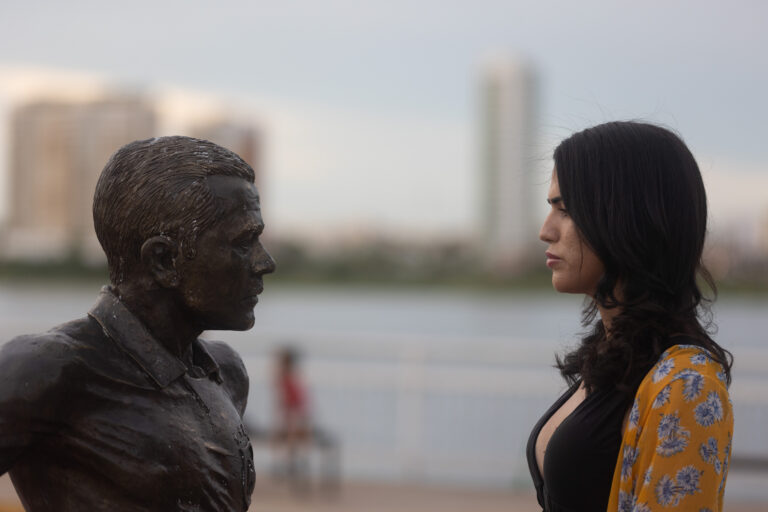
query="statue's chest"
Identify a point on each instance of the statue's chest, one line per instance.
(185, 441)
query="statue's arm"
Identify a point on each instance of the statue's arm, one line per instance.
(30, 398)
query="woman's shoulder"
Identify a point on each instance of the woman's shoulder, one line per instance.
(677, 440)
(682, 361)
(685, 374)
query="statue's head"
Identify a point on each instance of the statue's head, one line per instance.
(184, 214)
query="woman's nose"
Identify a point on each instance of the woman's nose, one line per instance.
(548, 233)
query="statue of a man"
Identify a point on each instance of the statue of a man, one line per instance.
(127, 409)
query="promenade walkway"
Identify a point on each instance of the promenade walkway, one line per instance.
(367, 497)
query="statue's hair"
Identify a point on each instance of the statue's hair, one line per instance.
(158, 187)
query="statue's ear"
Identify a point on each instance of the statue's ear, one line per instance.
(158, 256)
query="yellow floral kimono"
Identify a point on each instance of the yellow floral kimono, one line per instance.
(676, 443)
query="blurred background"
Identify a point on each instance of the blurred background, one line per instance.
(403, 152)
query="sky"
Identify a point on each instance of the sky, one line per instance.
(370, 109)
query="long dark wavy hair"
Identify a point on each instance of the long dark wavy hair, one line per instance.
(635, 193)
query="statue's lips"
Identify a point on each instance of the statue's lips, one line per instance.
(252, 300)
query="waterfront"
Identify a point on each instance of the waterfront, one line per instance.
(431, 386)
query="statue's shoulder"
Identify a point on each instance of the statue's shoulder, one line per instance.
(33, 364)
(232, 371)
(220, 350)
(56, 346)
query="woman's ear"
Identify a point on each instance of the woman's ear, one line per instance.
(158, 256)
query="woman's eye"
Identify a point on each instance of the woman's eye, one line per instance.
(563, 212)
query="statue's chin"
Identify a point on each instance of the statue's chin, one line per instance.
(243, 323)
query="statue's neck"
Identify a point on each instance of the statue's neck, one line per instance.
(163, 315)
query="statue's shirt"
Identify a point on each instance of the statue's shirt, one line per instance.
(97, 415)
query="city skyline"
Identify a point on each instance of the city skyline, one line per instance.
(737, 190)
(371, 112)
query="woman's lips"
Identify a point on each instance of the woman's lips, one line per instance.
(552, 259)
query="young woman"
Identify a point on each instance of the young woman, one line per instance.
(647, 422)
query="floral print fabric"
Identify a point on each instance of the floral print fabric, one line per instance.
(676, 443)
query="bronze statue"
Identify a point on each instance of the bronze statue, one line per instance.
(127, 409)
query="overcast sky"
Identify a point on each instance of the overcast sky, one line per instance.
(370, 108)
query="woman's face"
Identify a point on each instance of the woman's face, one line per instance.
(575, 267)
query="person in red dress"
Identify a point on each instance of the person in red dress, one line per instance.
(294, 427)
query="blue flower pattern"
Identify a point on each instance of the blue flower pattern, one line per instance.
(630, 454)
(683, 422)
(634, 416)
(628, 503)
(693, 381)
(647, 477)
(700, 358)
(710, 455)
(709, 411)
(688, 480)
(666, 492)
(726, 459)
(669, 491)
(663, 369)
(662, 398)
(673, 438)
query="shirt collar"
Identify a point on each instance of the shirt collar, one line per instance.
(134, 339)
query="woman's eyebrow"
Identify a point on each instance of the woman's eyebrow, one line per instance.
(554, 200)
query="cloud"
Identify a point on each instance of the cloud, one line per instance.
(327, 166)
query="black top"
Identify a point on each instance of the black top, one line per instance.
(96, 415)
(581, 454)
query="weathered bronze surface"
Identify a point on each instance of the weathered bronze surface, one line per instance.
(127, 409)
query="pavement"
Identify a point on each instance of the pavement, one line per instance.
(270, 496)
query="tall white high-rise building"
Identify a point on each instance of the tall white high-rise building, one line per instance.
(508, 128)
(56, 134)
(57, 152)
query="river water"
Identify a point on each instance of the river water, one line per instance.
(430, 385)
